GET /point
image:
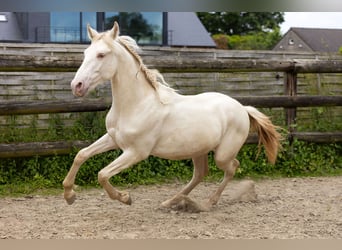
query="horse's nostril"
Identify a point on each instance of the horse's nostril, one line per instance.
(79, 85)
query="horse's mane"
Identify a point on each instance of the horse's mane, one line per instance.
(152, 75)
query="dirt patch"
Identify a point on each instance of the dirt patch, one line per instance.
(293, 208)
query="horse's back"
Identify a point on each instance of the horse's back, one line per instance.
(196, 124)
(208, 106)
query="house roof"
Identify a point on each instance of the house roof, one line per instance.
(324, 40)
(185, 29)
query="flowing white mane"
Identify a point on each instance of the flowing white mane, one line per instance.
(154, 77)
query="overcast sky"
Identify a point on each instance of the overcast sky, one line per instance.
(312, 20)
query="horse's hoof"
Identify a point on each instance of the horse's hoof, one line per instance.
(126, 199)
(70, 198)
(165, 204)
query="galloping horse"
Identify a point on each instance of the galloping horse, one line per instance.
(149, 118)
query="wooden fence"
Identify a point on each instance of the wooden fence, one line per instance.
(170, 61)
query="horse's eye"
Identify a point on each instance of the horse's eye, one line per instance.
(100, 55)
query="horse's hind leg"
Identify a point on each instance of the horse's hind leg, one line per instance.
(229, 171)
(200, 171)
(225, 155)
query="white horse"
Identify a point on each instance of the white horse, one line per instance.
(149, 118)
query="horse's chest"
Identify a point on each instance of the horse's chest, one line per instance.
(135, 128)
(123, 137)
(124, 132)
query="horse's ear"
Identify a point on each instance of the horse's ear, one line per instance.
(91, 32)
(114, 32)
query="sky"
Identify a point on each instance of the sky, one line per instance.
(311, 20)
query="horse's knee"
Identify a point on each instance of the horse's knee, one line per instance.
(102, 177)
(67, 184)
(228, 166)
(233, 165)
(80, 157)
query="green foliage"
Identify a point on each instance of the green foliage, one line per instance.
(27, 175)
(298, 159)
(88, 126)
(221, 41)
(252, 41)
(243, 30)
(240, 23)
(318, 117)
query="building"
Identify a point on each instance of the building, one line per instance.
(147, 28)
(9, 28)
(311, 40)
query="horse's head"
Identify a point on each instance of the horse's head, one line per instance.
(99, 64)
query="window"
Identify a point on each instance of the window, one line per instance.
(71, 27)
(144, 27)
(3, 18)
(65, 27)
(87, 18)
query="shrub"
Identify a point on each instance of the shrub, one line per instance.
(298, 159)
(250, 41)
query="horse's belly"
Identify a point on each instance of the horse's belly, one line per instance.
(179, 151)
(187, 141)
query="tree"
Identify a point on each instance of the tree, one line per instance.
(132, 24)
(240, 23)
(243, 30)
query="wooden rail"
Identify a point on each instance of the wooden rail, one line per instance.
(47, 107)
(28, 149)
(170, 61)
(80, 105)
(70, 63)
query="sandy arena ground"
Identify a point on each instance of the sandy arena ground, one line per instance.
(293, 208)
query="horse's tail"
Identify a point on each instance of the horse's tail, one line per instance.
(267, 133)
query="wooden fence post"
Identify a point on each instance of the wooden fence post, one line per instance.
(291, 90)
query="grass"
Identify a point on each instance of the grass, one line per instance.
(44, 175)
(297, 160)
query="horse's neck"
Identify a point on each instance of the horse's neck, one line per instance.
(130, 87)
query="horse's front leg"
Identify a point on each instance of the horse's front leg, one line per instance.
(125, 160)
(103, 144)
